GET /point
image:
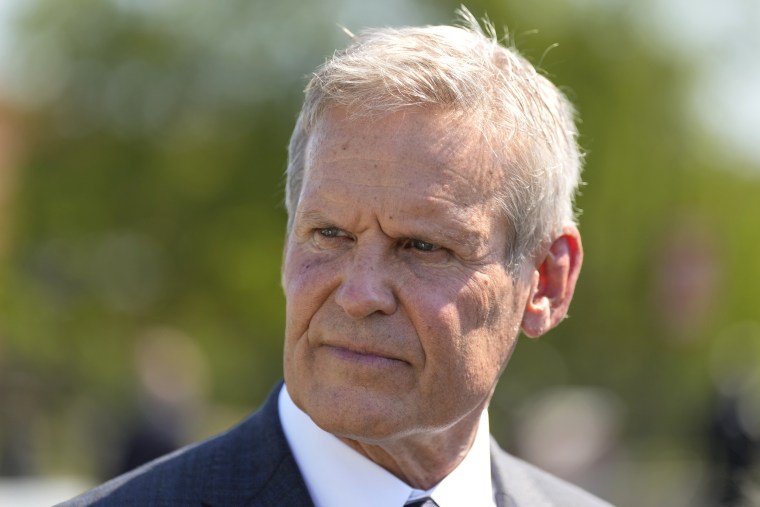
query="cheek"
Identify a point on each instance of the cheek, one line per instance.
(307, 283)
(457, 314)
(487, 325)
(483, 305)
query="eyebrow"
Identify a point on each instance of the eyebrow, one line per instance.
(470, 240)
(311, 218)
(435, 233)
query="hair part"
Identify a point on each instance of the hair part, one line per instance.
(527, 122)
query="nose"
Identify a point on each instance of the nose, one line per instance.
(366, 287)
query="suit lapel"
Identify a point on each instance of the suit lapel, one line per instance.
(513, 487)
(253, 465)
(499, 479)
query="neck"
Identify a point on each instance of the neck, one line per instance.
(422, 461)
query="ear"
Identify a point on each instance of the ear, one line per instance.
(553, 283)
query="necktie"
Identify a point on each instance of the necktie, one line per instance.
(422, 502)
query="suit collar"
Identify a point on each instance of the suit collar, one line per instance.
(513, 485)
(253, 465)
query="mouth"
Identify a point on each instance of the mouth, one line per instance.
(364, 357)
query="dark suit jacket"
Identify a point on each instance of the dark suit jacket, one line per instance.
(251, 465)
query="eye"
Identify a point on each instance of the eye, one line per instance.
(331, 232)
(329, 237)
(422, 246)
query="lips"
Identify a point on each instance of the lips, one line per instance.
(372, 342)
(363, 356)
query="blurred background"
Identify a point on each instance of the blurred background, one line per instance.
(142, 150)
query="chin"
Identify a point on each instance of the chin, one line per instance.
(357, 417)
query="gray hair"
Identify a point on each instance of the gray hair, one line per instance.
(528, 123)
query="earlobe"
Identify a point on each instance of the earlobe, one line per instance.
(553, 284)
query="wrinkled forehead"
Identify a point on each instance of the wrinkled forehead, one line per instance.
(448, 142)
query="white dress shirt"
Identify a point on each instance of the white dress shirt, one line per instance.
(338, 476)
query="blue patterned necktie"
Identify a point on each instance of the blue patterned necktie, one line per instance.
(422, 502)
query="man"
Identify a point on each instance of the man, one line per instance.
(431, 178)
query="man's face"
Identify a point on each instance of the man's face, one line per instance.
(400, 310)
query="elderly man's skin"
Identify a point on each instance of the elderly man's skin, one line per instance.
(401, 311)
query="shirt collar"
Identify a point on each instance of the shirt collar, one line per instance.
(338, 476)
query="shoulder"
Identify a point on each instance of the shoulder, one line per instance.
(229, 469)
(167, 479)
(523, 484)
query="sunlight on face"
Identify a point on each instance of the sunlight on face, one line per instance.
(400, 311)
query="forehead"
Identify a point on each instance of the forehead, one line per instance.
(431, 145)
